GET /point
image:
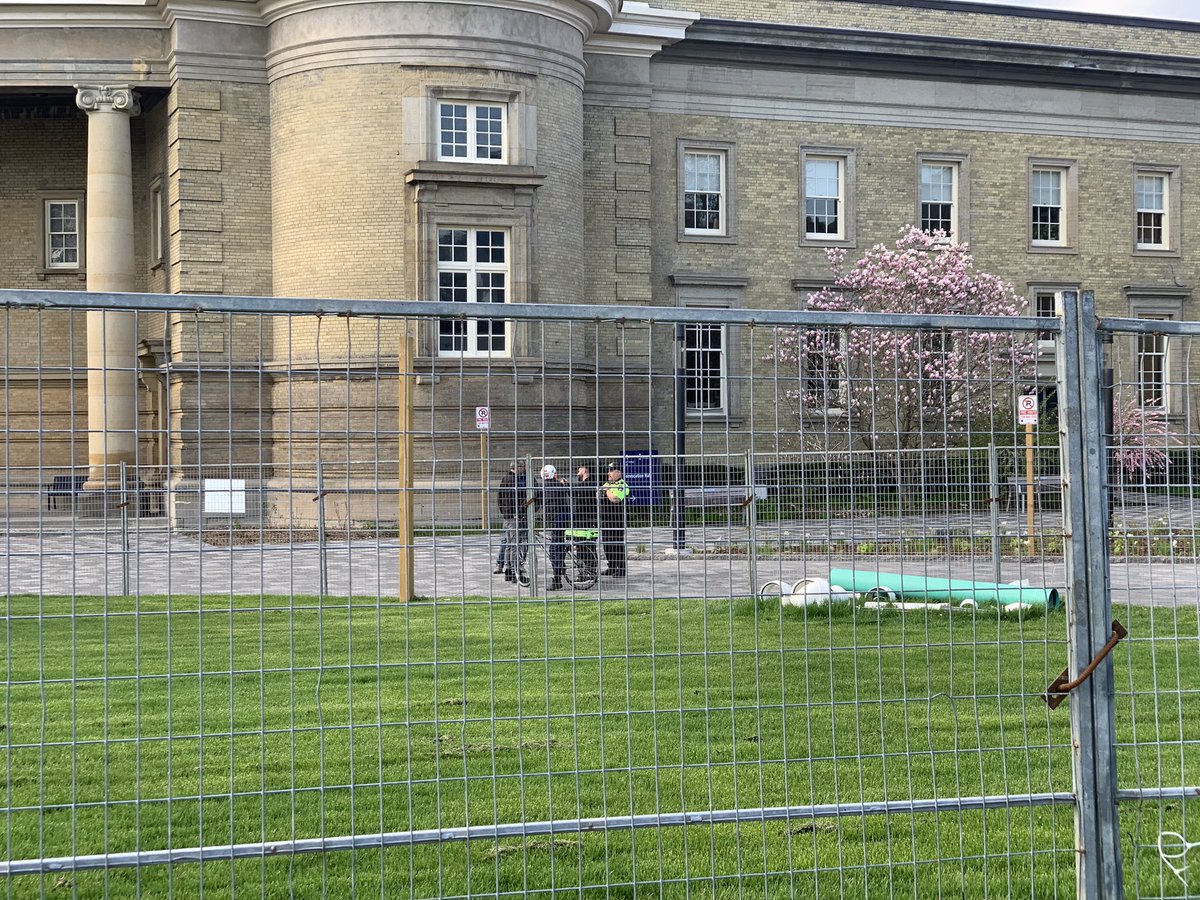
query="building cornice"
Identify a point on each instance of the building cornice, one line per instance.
(1026, 12)
(1172, 291)
(640, 30)
(853, 51)
(587, 16)
(474, 175)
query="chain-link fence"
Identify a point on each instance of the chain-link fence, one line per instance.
(294, 606)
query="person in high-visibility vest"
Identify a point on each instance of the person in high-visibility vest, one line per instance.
(613, 495)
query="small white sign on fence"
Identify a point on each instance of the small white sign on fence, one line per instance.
(225, 496)
(483, 418)
(1027, 409)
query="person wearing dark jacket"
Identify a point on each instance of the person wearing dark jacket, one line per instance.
(584, 531)
(612, 497)
(555, 500)
(511, 500)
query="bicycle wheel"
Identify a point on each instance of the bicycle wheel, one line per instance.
(579, 570)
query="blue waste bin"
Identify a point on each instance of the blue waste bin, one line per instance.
(643, 474)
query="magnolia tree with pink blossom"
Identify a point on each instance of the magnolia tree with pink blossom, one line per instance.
(1140, 439)
(887, 388)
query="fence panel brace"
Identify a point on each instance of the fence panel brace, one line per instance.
(1089, 601)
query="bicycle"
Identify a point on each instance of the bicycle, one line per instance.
(581, 565)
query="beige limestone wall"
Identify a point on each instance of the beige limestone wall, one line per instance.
(369, 242)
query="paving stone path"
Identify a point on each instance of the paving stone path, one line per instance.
(88, 559)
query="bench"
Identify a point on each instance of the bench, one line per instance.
(723, 497)
(64, 488)
(1043, 486)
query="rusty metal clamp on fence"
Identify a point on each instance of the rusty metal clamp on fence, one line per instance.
(1057, 692)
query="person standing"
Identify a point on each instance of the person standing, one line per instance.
(556, 509)
(511, 500)
(612, 496)
(585, 509)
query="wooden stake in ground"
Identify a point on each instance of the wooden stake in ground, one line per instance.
(1029, 484)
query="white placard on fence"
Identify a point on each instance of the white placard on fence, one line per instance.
(1027, 409)
(483, 418)
(225, 496)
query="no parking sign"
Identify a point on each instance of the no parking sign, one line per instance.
(1027, 409)
(483, 418)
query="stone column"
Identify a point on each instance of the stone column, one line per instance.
(111, 336)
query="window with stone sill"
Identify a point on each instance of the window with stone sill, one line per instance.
(939, 198)
(706, 191)
(1052, 212)
(156, 222)
(1047, 206)
(1047, 304)
(825, 198)
(1152, 193)
(705, 368)
(62, 234)
(473, 267)
(471, 131)
(1152, 366)
(824, 386)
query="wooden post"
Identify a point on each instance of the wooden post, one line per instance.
(404, 514)
(484, 480)
(1029, 492)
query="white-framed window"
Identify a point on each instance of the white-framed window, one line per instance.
(1047, 305)
(1152, 366)
(704, 192)
(1047, 206)
(62, 235)
(824, 198)
(156, 221)
(471, 131)
(827, 196)
(705, 367)
(711, 353)
(823, 380)
(938, 182)
(1053, 205)
(472, 267)
(1155, 366)
(1151, 196)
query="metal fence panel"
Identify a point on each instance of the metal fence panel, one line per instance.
(1152, 538)
(213, 687)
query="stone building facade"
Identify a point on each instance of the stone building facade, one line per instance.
(686, 153)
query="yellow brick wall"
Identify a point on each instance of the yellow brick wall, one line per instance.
(769, 204)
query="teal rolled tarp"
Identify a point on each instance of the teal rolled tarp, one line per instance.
(943, 589)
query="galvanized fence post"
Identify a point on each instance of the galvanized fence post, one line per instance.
(124, 531)
(1089, 603)
(322, 556)
(752, 523)
(994, 495)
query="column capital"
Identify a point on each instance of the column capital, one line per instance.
(107, 97)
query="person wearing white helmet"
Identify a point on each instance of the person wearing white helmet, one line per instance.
(556, 508)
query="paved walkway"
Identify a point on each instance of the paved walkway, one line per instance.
(89, 560)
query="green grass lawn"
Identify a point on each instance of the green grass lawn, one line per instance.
(153, 723)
